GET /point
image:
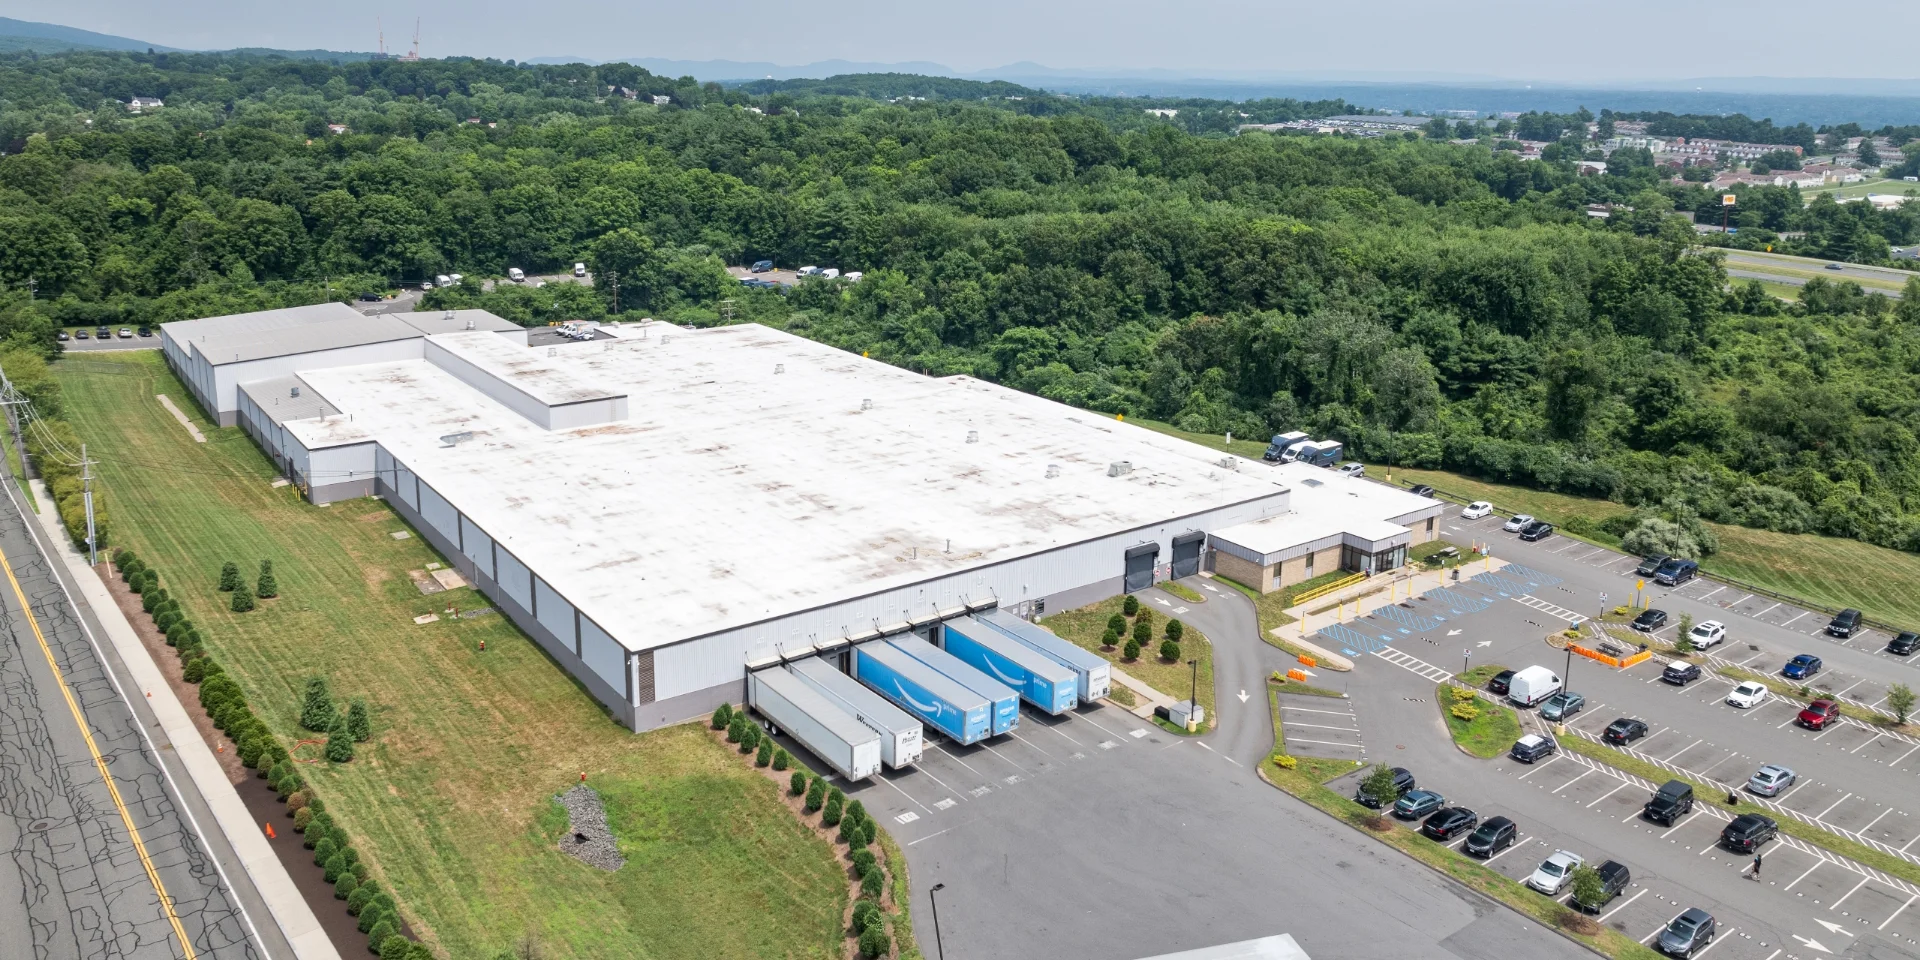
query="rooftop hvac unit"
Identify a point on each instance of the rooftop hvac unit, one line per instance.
(454, 439)
(973, 436)
(779, 368)
(1053, 470)
(866, 404)
(1230, 463)
(1119, 468)
(295, 392)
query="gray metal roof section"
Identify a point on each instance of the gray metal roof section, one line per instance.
(351, 331)
(275, 397)
(215, 330)
(431, 322)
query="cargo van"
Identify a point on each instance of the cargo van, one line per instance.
(1532, 685)
(579, 269)
(516, 274)
(1281, 443)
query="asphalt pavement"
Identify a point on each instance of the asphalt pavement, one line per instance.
(92, 826)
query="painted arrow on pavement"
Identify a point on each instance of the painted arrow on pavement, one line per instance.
(1243, 696)
(1812, 944)
(1833, 927)
(1453, 633)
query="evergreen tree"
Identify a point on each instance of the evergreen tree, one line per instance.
(269, 587)
(229, 576)
(830, 817)
(797, 784)
(1131, 605)
(1169, 651)
(816, 794)
(339, 742)
(1117, 624)
(722, 715)
(874, 941)
(1132, 651)
(782, 760)
(765, 756)
(317, 710)
(1142, 631)
(1175, 630)
(1108, 639)
(358, 723)
(360, 897)
(395, 948)
(242, 599)
(382, 931)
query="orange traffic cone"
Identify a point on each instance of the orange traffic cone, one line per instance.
(270, 834)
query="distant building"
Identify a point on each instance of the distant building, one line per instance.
(661, 99)
(139, 104)
(337, 128)
(1164, 112)
(1590, 168)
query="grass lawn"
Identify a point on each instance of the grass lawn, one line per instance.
(1086, 625)
(1895, 187)
(452, 801)
(1490, 734)
(1478, 676)
(1269, 607)
(1182, 591)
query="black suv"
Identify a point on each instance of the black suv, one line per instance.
(1650, 620)
(1624, 731)
(1844, 624)
(1448, 823)
(1614, 877)
(1651, 564)
(1907, 642)
(1402, 782)
(1748, 831)
(1501, 683)
(1672, 801)
(1495, 835)
(1680, 673)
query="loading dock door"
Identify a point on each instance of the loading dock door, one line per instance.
(1140, 566)
(1186, 554)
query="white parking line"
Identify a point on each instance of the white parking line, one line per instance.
(1796, 880)
(1523, 842)
(1541, 767)
(1822, 815)
(1684, 749)
(1718, 939)
(1851, 686)
(1329, 743)
(923, 770)
(1116, 737)
(1337, 713)
(1615, 560)
(1718, 762)
(1056, 729)
(956, 759)
(1321, 726)
(1629, 903)
(1570, 783)
(1623, 785)
(1741, 600)
(1903, 756)
(1903, 907)
(1716, 590)
(1843, 899)
(1003, 756)
(1876, 736)
(1796, 617)
(1875, 820)
(910, 799)
(1751, 659)
(1828, 730)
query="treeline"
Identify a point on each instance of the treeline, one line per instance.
(1431, 303)
(53, 448)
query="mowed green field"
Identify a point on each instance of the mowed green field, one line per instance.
(451, 800)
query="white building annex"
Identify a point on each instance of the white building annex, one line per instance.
(661, 508)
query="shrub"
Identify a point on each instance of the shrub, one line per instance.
(857, 811)
(373, 914)
(721, 715)
(229, 576)
(359, 725)
(120, 557)
(765, 756)
(1131, 651)
(871, 885)
(339, 742)
(866, 913)
(736, 729)
(130, 568)
(269, 587)
(816, 794)
(1117, 624)
(242, 599)
(319, 826)
(395, 947)
(863, 860)
(137, 579)
(1108, 639)
(316, 709)
(1284, 762)
(1462, 695)
(299, 800)
(336, 867)
(325, 849)
(1142, 632)
(782, 760)
(1169, 650)
(749, 737)
(831, 816)
(1131, 605)
(150, 599)
(1175, 630)
(1466, 712)
(797, 784)
(381, 933)
(165, 620)
(874, 941)
(195, 670)
(302, 817)
(1146, 617)
(357, 901)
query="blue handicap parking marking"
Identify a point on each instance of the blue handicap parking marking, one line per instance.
(1536, 578)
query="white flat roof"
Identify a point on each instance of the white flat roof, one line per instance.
(732, 493)
(1327, 504)
(550, 380)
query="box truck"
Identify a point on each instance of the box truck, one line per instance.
(1047, 685)
(924, 692)
(1320, 453)
(901, 737)
(1096, 675)
(820, 724)
(1532, 685)
(1282, 442)
(1006, 703)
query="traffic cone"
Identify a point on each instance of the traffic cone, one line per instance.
(270, 834)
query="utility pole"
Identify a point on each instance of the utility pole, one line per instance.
(10, 398)
(86, 480)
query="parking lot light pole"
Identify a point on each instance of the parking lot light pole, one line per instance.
(1193, 693)
(937, 944)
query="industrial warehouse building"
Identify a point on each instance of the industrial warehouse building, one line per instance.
(664, 509)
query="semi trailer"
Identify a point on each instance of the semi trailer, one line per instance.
(1006, 703)
(901, 734)
(940, 702)
(1096, 675)
(1047, 685)
(818, 722)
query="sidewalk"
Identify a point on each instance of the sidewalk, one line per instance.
(1363, 598)
(1153, 698)
(268, 875)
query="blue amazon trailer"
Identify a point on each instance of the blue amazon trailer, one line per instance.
(939, 701)
(1006, 702)
(1039, 680)
(1096, 675)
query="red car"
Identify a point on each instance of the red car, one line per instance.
(1818, 713)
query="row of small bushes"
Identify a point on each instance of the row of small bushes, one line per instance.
(1142, 631)
(261, 751)
(857, 828)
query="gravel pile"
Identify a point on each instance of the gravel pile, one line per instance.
(589, 841)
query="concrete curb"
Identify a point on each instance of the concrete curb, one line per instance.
(290, 911)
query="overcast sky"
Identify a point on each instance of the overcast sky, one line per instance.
(1553, 41)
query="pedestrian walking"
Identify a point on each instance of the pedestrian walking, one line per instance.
(1756, 868)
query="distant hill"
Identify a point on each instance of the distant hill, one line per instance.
(52, 38)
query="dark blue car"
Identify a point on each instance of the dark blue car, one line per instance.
(1801, 667)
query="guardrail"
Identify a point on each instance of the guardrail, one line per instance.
(1318, 592)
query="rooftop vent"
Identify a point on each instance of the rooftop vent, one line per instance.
(866, 404)
(779, 368)
(1311, 482)
(469, 324)
(973, 436)
(295, 392)
(454, 439)
(1119, 468)
(1053, 470)
(1230, 463)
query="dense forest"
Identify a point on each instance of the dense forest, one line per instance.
(1429, 302)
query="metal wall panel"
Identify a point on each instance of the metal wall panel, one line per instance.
(513, 577)
(554, 613)
(383, 465)
(602, 655)
(478, 547)
(405, 485)
(439, 514)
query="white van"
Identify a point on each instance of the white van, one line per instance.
(1532, 685)
(830, 273)
(579, 269)
(516, 274)
(852, 276)
(443, 280)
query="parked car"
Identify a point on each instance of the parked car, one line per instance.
(456, 278)
(1769, 780)
(1562, 706)
(1532, 685)
(1672, 801)
(1614, 877)
(1680, 673)
(1906, 643)
(1493, 836)
(146, 331)
(1532, 747)
(1687, 934)
(1748, 831)
(1676, 572)
(1448, 823)
(1501, 683)
(1555, 872)
(1402, 782)
(126, 333)
(1536, 531)
(579, 269)
(1845, 623)
(1801, 667)
(1624, 731)
(1417, 803)
(1707, 633)
(1476, 510)
(1421, 490)
(62, 336)
(426, 284)
(443, 280)
(370, 297)
(102, 333)
(81, 335)
(1818, 714)
(1353, 470)
(1748, 694)
(1517, 522)
(1649, 620)
(1835, 266)
(760, 266)
(1651, 564)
